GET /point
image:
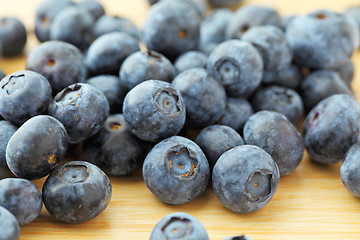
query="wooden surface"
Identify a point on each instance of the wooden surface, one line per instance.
(311, 203)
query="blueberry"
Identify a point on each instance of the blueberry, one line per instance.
(22, 198)
(154, 110)
(204, 97)
(112, 88)
(76, 192)
(73, 25)
(171, 28)
(45, 14)
(322, 39)
(60, 62)
(322, 84)
(108, 24)
(179, 226)
(213, 29)
(107, 53)
(289, 77)
(286, 20)
(242, 237)
(238, 66)
(36, 147)
(6, 131)
(274, 133)
(225, 3)
(214, 140)
(237, 111)
(331, 128)
(279, 99)
(272, 45)
(198, 5)
(189, 60)
(24, 94)
(176, 170)
(9, 227)
(114, 149)
(12, 36)
(2, 74)
(93, 7)
(245, 178)
(82, 109)
(350, 170)
(354, 12)
(346, 71)
(244, 19)
(142, 66)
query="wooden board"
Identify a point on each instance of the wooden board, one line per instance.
(311, 203)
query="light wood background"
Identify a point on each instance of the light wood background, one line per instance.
(311, 203)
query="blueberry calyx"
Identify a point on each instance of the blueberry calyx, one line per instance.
(13, 80)
(74, 174)
(177, 228)
(227, 70)
(258, 186)
(69, 95)
(168, 102)
(181, 163)
(51, 62)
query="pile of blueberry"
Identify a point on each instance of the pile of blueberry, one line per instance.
(215, 99)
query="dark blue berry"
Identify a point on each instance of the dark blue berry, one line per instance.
(108, 24)
(9, 227)
(354, 12)
(179, 225)
(245, 178)
(189, 60)
(213, 29)
(279, 99)
(61, 63)
(322, 39)
(225, 3)
(204, 97)
(171, 28)
(346, 71)
(82, 109)
(237, 111)
(274, 133)
(24, 94)
(22, 198)
(214, 140)
(46, 11)
(350, 170)
(36, 147)
(76, 192)
(73, 25)
(331, 128)
(242, 237)
(142, 66)
(12, 36)
(6, 131)
(107, 53)
(93, 7)
(272, 45)
(289, 77)
(112, 88)
(154, 110)
(114, 149)
(244, 19)
(238, 66)
(176, 170)
(322, 84)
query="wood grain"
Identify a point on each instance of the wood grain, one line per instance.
(311, 203)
